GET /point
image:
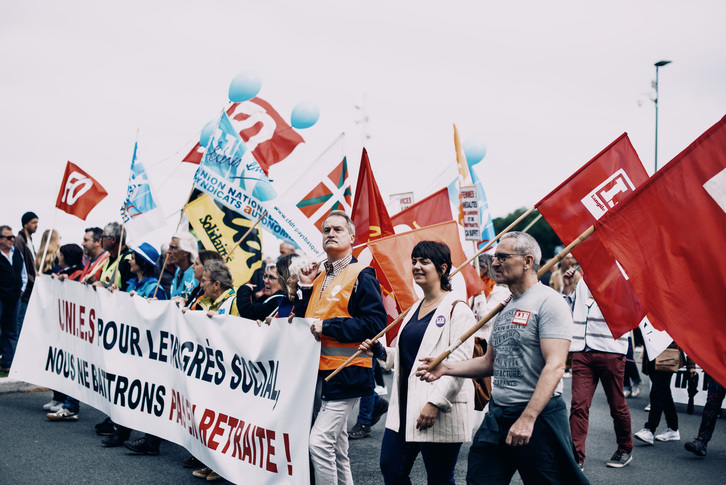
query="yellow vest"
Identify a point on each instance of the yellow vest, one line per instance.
(333, 303)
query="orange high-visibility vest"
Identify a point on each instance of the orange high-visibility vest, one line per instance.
(333, 303)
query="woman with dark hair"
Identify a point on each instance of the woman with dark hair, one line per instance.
(143, 265)
(259, 309)
(198, 291)
(427, 418)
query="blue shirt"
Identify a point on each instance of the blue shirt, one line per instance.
(183, 282)
(146, 287)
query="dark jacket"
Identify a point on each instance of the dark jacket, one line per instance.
(258, 309)
(11, 279)
(22, 245)
(368, 318)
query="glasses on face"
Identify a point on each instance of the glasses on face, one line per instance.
(9, 238)
(502, 257)
(269, 277)
(172, 248)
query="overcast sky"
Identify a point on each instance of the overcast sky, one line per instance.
(546, 85)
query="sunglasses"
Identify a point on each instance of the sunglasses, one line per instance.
(502, 257)
(10, 237)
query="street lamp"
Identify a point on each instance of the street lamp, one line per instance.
(655, 85)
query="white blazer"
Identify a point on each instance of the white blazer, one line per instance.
(452, 395)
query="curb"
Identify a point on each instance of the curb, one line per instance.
(8, 384)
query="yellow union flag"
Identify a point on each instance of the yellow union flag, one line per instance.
(219, 229)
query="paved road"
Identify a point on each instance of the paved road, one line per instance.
(35, 450)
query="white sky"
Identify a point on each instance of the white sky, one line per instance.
(546, 85)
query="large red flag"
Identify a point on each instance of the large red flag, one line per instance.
(393, 254)
(372, 222)
(433, 209)
(669, 238)
(79, 192)
(369, 211)
(262, 129)
(576, 204)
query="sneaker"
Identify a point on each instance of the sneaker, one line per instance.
(142, 445)
(213, 476)
(192, 462)
(359, 431)
(62, 414)
(696, 446)
(627, 393)
(647, 408)
(47, 406)
(645, 435)
(669, 435)
(620, 459)
(56, 407)
(105, 428)
(636, 390)
(380, 408)
(203, 473)
(567, 374)
(114, 440)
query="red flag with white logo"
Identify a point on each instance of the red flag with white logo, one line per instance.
(79, 192)
(669, 239)
(266, 134)
(576, 204)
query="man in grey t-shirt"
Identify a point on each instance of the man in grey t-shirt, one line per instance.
(526, 428)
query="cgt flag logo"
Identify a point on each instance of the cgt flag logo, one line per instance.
(79, 192)
(608, 194)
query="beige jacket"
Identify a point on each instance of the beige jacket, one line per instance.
(452, 395)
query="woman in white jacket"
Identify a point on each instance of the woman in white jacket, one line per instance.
(427, 418)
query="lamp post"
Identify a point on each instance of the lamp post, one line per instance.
(658, 64)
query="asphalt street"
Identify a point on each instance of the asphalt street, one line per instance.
(38, 451)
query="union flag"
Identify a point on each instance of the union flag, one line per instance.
(332, 193)
(79, 192)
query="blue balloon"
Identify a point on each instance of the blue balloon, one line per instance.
(244, 86)
(207, 133)
(474, 150)
(304, 115)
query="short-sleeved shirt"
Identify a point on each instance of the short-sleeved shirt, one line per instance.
(538, 313)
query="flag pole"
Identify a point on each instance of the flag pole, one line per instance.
(544, 269)
(402, 315)
(166, 256)
(229, 255)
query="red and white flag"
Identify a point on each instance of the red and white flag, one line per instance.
(266, 134)
(669, 239)
(574, 206)
(79, 192)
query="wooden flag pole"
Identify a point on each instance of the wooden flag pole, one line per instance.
(402, 315)
(166, 256)
(229, 255)
(499, 307)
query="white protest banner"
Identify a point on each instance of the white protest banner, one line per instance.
(239, 397)
(470, 208)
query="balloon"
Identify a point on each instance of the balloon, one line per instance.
(245, 85)
(207, 133)
(474, 150)
(304, 115)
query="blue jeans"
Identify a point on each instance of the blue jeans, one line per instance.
(9, 328)
(399, 455)
(72, 404)
(365, 409)
(22, 308)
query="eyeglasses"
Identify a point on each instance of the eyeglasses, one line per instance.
(9, 238)
(171, 248)
(268, 277)
(502, 257)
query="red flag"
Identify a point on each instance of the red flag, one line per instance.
(372, 222)
(669, 239)
(79, 192)
(264, 131)
(393, 254)
(576, 204)
(434, 209)
(369, 212)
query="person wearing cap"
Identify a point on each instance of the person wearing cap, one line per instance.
(182, 253)
(143, 265)
(24, 244)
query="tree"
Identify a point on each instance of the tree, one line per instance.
(541, 230)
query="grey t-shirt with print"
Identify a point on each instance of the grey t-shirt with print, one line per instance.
(538, 313)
